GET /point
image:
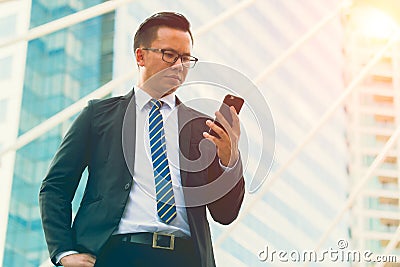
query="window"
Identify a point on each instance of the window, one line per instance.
(7, 26)
(5, 67)
(3, 110)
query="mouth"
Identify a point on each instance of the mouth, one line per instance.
(176, 77)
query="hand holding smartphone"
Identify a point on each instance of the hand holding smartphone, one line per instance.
(229, 100)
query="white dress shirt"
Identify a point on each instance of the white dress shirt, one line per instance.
(140, 213)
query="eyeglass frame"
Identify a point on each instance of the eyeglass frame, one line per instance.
(179, 56)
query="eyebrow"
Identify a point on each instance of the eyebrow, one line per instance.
(171, 49)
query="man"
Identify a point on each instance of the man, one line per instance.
(141, 206)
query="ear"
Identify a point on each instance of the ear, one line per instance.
(139, 55)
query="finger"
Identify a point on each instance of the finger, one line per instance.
(212, 138)
(91, 261)
(229, 134)
(216, 128)
(88, 264)
(90, 258)
(235, 118)
(221, 119)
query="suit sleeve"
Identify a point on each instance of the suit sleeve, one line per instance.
(226, 209)
(60, 183)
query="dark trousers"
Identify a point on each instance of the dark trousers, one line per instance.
(121, 253)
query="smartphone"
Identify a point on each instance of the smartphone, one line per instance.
(229, 100)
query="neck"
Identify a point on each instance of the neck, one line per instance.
(156, 94)
(153, 94)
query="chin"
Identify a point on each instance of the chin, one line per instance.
(170, 91)
(169, 85)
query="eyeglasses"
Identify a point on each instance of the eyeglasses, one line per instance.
(171, 56)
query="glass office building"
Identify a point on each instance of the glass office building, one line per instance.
(373, 114)
(295, 211)
(14, 21)
(61, 68)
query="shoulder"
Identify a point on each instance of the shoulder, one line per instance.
(111, 100)
(108, 105)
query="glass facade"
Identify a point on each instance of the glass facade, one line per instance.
(3, 110)
(14, 21)
(7, 26)
(6, 67)
(61, 68)
(373, 117)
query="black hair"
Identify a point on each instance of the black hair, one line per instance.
(147, 31)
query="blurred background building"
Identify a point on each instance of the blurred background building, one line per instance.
(60, 68)
(14, 20)
(42, 76)
(373, 110)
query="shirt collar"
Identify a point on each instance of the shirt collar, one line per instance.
(143, 98)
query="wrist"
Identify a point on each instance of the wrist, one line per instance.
(230, 162)
(64, 254)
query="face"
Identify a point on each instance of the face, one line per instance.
(158, 77)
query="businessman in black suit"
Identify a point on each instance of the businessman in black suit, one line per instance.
(122, 219)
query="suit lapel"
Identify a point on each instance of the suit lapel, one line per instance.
(185, 132)
(128, 110)
(185, 117)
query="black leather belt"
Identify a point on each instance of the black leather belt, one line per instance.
(156, 240)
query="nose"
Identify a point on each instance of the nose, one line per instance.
(178, 65)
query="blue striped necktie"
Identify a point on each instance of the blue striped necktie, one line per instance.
(166, 208)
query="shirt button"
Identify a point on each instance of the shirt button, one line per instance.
(127, 186)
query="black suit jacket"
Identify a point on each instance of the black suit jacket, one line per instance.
(95, 141)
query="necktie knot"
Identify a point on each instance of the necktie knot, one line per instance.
(156, 103)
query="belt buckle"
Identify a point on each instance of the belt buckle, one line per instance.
(171, 241)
